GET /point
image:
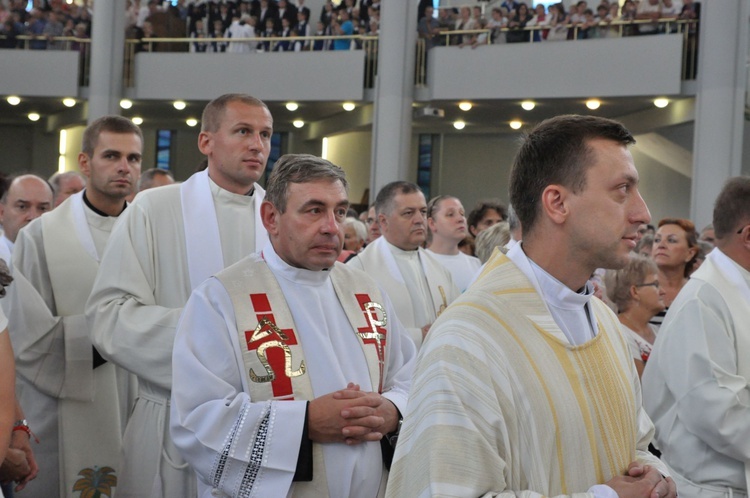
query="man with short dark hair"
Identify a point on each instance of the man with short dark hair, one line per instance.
(419, 286)
(26, 199)
(695, 386)
(170, 240)
(68, 391)
(526, 386)
(306, 366)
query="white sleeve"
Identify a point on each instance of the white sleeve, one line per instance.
(232, 442)
(402, 356)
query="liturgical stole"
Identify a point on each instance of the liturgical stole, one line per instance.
(272, 351)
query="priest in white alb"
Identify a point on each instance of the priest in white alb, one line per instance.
(695, 385)
(419, 286)
(70, 394)
(170, 240)
(290, 369)
(524, 386)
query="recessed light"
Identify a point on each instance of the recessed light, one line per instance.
(465, 106)
(14, 100)
(298, 123)
(292, 106)
(516, 124)
(459, 125)
(528, 105)
(593, 104)
(191, 122)
(126, 104)
(34, 116)
(137, 120)
(661, 103)
(348, 106)
(179, 104)
(69, 102)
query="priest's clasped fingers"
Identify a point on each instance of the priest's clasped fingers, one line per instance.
(350, 418)
(643, 481)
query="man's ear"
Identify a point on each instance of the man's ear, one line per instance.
(84, 164)
(555, 203)
(382, 221)
(205, 143)
(269, 215)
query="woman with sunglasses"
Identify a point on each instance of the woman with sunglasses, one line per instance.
(636, 292)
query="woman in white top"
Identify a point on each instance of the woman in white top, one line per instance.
(446, 221)
(636, 292)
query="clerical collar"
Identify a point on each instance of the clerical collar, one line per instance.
(247, 194)
(300, 276)
(413, 253)
(97, 211)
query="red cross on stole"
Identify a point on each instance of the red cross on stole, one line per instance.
(374, 333)
(271, 344)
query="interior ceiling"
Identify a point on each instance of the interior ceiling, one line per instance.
(485, 115)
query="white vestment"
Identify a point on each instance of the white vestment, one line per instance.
(503, 404)
(6, 250)
(214, 414)
(3, 325)
(463, 267)
(73, 408)
(695, 385)
(160, 250)
(378, 261)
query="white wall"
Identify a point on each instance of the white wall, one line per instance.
(351, 151)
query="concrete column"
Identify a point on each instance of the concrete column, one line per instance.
(394, 88)
(720, 102)
(107, 52)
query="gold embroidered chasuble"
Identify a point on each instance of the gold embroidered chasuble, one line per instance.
(273, 352)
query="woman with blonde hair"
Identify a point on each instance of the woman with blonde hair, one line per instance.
(636, 292)
(446, 222)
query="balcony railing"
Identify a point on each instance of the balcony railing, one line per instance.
(369, 44)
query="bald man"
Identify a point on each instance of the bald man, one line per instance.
(26, 199)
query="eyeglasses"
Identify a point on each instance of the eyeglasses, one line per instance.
(652, 284)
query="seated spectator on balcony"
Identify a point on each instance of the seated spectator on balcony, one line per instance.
(518, 24)
(650, 10)
(342, 27)
(322, 30)
(327, 13)
(269, 32)
(240, 28)
(540, 19)
(53, 29)
(198, 32)
(428, 29)
(302, 29)
(286, 32)
(145, 35)
(671, 11)
(476, 14)
(496, 23)
(600, 28)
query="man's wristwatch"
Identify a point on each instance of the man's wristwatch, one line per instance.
(392, 437)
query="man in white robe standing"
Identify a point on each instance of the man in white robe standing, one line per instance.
(170, 240)
(297, 390)
(695, 386)
(26, 199)
(418, 285)
(525, 386)
(69, 393)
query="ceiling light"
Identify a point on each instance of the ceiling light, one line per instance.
(69, 102)
(137, 120)
(349, 106)
(298, 123)
(292, 106)
(34, 116)
(191, 122)
(516, 124)
(179, 104)
(459, 125)
(661, 103)
(126, 104)
(528, 105)
(14, 100)
(464, 106)
(593, 104)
